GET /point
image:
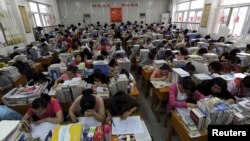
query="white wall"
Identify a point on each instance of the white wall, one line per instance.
(71, 12)
(27, 37)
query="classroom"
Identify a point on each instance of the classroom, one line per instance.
(124, 70)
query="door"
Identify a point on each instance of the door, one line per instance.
(86, 19)
(143, 17)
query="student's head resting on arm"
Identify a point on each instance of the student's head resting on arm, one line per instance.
(43, 109)
(183, 94)
(120, 104)
(216, 87)
(87, 105)
(162, 73)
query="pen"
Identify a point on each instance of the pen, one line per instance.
(113, 123)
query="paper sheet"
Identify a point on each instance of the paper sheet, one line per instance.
(160, 84)
(132, 125)
(89, 122)
(9, 126)
(41, 130)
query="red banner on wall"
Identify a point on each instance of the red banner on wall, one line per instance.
(116, 14)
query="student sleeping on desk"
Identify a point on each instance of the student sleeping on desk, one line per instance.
(87, 105)
(120, 104)
(183, 94)
(98, 78)
(43, 109)
(216, 87)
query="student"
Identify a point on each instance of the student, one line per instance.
(87, 105)
(215, 68)
(71, 73)
(183, 54)
(190, 68)
(212, 48)
(129, 75)
(202, 51)
(248, 48)
(183, 94)
(221, 39)
(5, 84)
(98, 78)
(239, 87)
(216, 87)
(43, 109)
(77, 61)
(103, 46)
(147, 61)
(161, 74)
(120, 104)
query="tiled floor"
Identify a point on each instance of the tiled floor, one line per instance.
(156, 129)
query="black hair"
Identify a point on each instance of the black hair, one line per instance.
(235, 60)
(41, 102)
(97, 73)
(104, 53)
(207, 37)
(234, 52)
(43, 40)
(202, 51)
(151, 56)
(183, 51)
(165, 67)
(220, 82)
(112, 62)
(72, 69)
(248, 47)
(221, 37)
(124, 71)
(99, 57)
(76, 55)
(246, 81)
(120, 99)
(216, 65)
(87, 101)
(188, 84)
(190, 67)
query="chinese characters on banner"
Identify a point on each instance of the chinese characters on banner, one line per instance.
(116, 14)
(101, 5)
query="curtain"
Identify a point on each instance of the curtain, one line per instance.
(9, 23)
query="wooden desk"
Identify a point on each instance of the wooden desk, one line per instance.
(22, 109)
(134, 92)
(146, 74)
(159, 96)
(44, 61)
(21, 80)
(177, 125)
(36, 67)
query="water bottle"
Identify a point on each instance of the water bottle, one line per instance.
(106, 130)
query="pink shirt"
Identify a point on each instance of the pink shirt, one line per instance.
(157, 74)
(65, 76)
(173, 102)
(52, 108)
(74, 63)
(103, 47)
(99, 105)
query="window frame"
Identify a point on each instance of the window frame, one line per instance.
(49, 14)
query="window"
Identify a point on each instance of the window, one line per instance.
(190, 11)
(183, 6)
(41, 14)
(233, 17)
(232, 2)
(197, 4)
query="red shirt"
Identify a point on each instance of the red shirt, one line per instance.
(52, 108)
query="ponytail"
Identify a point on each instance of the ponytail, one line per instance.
(41, 102)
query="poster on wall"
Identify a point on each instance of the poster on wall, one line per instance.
(25, 19)
(116, 14)
(205, 15)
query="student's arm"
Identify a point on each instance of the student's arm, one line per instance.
(230, 101)
(73, 109)
(128, 112)
(172, 98)
(25, 122)
(58, 119)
